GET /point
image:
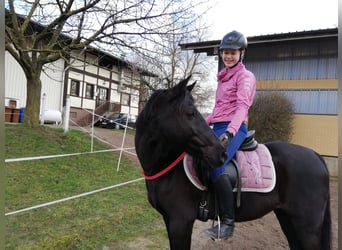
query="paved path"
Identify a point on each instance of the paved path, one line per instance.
(115, 138)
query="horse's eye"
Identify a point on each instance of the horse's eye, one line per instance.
(191, 114)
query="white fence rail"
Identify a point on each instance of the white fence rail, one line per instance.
(121, 149)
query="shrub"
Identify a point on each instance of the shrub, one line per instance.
(271, 116)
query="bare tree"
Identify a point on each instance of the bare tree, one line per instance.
(38, 32)
(163, 55)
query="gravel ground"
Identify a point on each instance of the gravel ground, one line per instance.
(263, 234)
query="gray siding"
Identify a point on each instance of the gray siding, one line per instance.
(322, 102)
(298, 61)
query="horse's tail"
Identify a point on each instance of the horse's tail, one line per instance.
(326, 228)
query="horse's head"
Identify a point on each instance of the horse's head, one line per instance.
(170, 124)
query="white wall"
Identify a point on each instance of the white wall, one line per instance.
(52, 85)
(15, 83)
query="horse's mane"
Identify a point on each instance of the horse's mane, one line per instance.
(160, 100)
(151, 104)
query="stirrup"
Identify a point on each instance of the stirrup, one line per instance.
(215, 231)
(218, 230)
(218, 236)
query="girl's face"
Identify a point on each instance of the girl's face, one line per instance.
(230, 57)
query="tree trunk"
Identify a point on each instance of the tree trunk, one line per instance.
(33, 96)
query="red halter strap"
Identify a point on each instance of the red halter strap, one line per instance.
(165, 170)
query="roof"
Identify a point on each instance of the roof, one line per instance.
(211, 47)
(107, 58)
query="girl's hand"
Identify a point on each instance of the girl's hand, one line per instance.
(225, 138)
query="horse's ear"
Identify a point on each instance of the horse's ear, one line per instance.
(190, 87)
(182, 84)
(181, 87)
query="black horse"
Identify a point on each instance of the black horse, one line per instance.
(170, 124)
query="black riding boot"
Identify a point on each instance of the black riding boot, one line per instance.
(225, 198)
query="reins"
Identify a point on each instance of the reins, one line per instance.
(165, 170)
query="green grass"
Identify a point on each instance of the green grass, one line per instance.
(120, 218)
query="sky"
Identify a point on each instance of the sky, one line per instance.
(264, 17)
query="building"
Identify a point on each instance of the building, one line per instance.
(99, 81)
(302, 65)
(94, 80)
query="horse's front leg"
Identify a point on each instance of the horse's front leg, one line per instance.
(179, 231)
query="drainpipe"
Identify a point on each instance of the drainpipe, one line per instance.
(66, 114)
(42, 114)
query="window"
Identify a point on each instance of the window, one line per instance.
(103, 94)
(89, 91)
(75, 88)
(125, 99)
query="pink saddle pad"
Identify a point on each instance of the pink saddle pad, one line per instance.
(256, 170)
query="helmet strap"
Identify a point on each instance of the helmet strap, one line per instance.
(242, 54)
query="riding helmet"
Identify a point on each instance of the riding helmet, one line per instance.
(233, 40)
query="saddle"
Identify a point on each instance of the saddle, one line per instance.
(251, 169)
(249, 143)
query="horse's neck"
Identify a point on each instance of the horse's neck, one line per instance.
(158, 157)
(155, 153)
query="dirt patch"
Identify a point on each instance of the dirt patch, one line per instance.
(261, 234)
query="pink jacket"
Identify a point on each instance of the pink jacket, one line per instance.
(234, 95)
